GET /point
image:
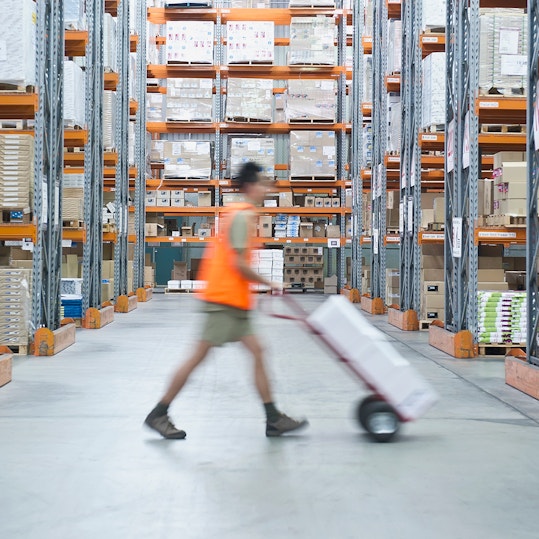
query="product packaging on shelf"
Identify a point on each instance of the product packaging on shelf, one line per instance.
(312, 154)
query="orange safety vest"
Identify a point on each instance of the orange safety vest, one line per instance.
(225, 285)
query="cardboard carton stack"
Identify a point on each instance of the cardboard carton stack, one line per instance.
(18, 50)
(110, 55)
(72, 204)
(367, 145)
(249, 100)
(270, 264)
(310, 100)
(189, 100)
(503, 64)
(491, 273)
(190, 42)
(15, 306)
(109, 119)
(187, 159)
(392, 287)
(502, 317)
(260, 150)
(433, 90)
(312, 154)
(16, 172)
(304, 266)
(250, 42)
(432, 283)
(312, 41)
(485, 194)
(510, 184)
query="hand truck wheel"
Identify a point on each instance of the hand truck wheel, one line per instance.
(381, 421)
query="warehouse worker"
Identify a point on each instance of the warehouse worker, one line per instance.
(228, 302)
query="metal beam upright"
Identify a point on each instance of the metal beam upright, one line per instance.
(48, 164)
(462, 165)
(121, 201)
(410, 199)
(140, 148)
(93, 158)
(357, 144)
(532, 235)
(379, 130)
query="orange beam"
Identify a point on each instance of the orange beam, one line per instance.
(432, 43)
(19, 232)
(75, 42)
(393, 83)
(367, 44)
(111, 81)
(394, 9)
(18, 106)
(133, 42)
(501, 110)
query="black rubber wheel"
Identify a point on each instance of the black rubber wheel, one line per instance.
(362, 405)
(381, 421)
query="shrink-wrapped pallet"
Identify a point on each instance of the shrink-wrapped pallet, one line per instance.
(16, 172)
(503, 51)
(109, 119)
(74, 15)
(74, 101)
(312, 41)
(394, 59)
(311, 100)
(190, 42)
(434, 14)
(110, 60)
(18, 42)
(312, 154)
(394, 118)
(259, 150)
(187, 159)
(189, 100)
(155, 107)
(249, 100)
(433, 90)
(15, 306)
(250, 42)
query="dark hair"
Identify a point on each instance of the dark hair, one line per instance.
(249, 173)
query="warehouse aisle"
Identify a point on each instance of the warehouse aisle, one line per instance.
(75, 460)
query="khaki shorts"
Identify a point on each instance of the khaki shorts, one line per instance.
(225, 324)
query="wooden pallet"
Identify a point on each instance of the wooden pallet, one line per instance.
(434, 30)
(173, 63)
(107, 227)
(251, 63)
(436, 227)
(191, 121)
(19, 349)
(179, 291)
(518, 221)
(434, 128)
(309, 121)
(493, 349)
(313, 179)
(13, 124)
(72, 224)
(186, 178)
(245, 120)
(501, 128)
(16, 89)
(507, 92)
(188, 5)
(313, 64)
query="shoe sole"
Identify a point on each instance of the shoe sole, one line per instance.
(181, 436)
(277, 434)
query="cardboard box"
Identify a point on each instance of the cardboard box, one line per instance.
(508, 157)
(319, 229)
(306, 230)
(318, 202)
(188, 231)
(179, 271)
(310, 201)
(433, 288)
(492, 286)
(6, 369)
(328, 202)
(434, 301)
(439, 210)
(204, 199)
(265, 228)
(333, 231)
(164, 202)
(490, 275)
(335, 202)
(286, 199)
(150, 230)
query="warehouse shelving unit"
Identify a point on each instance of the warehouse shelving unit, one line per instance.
(220, 129)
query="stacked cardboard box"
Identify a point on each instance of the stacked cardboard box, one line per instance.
(491, 273)
(394, 60)
(304, 266)
(16, 172)
(74, 102)
(503, 63)
(311, 100)
(72, 204)
(260, 150)
(433, 90)
(189, 100)
(312, 41)
(312, 154)
(250, 42)
(109, 120)
(432, 283)
(270, 264)
(15, 306)
(367, 77)
(510, 185)
(190, 42)
(502, 317)
(434, 14)
(17, 49)
(392, 287)
(187, 159)
(485, 194)
(249, 99)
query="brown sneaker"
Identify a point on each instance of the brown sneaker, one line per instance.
(284, 424)
(164, 427)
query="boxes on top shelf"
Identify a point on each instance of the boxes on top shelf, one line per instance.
(261, 150)
(18, 50)
(249, 100)
(309, 100)
(312, 41)
(312, 154)
(250, 42)
(190, 42)
(189, 100)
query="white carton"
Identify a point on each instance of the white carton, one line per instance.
(369, 353)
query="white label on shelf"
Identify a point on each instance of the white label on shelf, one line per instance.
(288, 241)
(457, 237)
(184, 240)
(485, 234)
(466, 143)
(334, 243)
(430, 39)
(12, 243)
(509, 40)
(410, 215)
(27, 245)
(489, 104)
(451, 146)
(393, 239)
(429, 138)
(66, 243)
(375, 241)
(514, 65)
(306, 240)
(433, 236)
(393, 80)
(394, 159)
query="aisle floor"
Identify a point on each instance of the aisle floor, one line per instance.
(75, 460)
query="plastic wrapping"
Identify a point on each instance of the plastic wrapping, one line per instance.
(433, 89)
(190, 42)
(18, 42)
(189, 100)
(260, 150)
(16, 172)
(74, 92)
(394, 59)
(312, 154)
(250, 3)
(249, 99)
(312, 41)
(394, 118)
(503, 51)
(110, 59)
(187, 159)
(155, 107)
(434, 14)
(311, 100)
(502, 317)
(250, 42)
(74, 15)
(109, 119)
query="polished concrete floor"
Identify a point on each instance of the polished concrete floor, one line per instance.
(76, 462)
